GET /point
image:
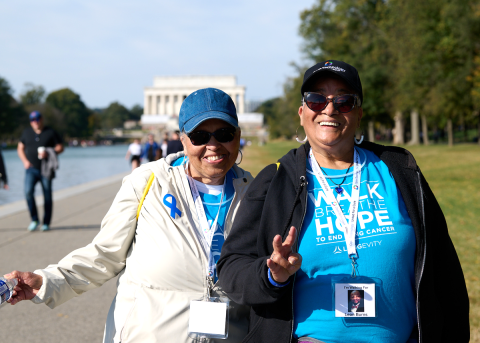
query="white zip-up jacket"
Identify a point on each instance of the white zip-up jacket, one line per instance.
(160, 259)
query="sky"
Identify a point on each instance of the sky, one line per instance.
(110, 50)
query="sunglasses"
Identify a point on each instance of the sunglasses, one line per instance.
(35, 119)
(342, 103)
(224, 135)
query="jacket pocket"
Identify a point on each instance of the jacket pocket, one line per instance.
(123, 333)
(253, 330)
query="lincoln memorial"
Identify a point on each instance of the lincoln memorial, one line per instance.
(162, 102)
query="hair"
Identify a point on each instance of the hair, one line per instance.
(356, 293)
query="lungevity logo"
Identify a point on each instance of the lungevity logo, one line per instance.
(331, 67)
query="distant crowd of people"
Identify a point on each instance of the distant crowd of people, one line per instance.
(153, 151)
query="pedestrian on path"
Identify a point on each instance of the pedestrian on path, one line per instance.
(164, 144)
(38, 149)
(163, 236)
(174, 145)
(133, 153)
(151, 151)
(3, 173)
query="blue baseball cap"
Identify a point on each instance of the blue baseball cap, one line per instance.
(35, 115)
(205, 104)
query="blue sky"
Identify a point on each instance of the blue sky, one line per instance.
(110, 50)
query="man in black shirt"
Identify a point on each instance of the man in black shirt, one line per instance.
(175, 145)
(36, 143)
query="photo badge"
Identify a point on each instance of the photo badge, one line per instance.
(355, 300)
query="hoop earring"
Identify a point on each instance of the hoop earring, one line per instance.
(358, 142)
(298, 140)
(241, 157)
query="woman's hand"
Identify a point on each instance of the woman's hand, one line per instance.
(28, 285)
(284, 262)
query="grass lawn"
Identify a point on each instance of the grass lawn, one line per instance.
(454, 176)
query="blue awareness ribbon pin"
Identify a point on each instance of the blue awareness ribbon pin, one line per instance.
(172, 205)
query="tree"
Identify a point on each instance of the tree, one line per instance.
(75, 112)
(13, 118)
(351, 31)
(32, 94)
(114, 116)
(281, 114)
(136, 112)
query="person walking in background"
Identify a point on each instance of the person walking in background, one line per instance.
(38, 149)
(134, 152)
(152, 151)
(162, 235)
(3, 173)
(164, 145)
(174, 145)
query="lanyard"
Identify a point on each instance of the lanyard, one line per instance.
(351, 226)
(207, 230)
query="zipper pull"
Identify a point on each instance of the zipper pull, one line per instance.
(302, 181)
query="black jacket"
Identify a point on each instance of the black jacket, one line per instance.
(3, 172)
(277, 200)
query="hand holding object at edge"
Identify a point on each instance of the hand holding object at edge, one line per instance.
(28, 285)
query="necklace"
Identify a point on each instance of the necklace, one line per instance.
(339, 188)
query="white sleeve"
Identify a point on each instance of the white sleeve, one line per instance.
(105, 257)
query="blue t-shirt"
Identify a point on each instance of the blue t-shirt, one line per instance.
(385, 243)
(211, 202)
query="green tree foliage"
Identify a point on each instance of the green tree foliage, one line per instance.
(75, 112)
(32, 94)
(281, 114)
(13, 118)
(114, 116)
(136, 112)
(349, 30)
(411, 55)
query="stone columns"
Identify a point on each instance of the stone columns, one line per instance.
(154, 104)
(241, 103)
(146, 109)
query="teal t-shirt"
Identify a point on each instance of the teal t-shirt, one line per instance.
(211, 196)
(385, 243)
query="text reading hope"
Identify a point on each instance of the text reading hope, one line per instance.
(370, 207)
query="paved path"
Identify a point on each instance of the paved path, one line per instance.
(76, 220)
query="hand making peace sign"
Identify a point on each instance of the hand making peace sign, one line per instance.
(284, 262)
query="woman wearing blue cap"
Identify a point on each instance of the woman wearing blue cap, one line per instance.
(163, 235)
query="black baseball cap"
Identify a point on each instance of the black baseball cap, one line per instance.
(344, 70)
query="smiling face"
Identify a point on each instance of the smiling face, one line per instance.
(329, 129)
(210, 162)
(355, 297)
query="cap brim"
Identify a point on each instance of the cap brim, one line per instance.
(190, 125)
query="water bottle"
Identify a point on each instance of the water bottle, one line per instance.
(6, 289)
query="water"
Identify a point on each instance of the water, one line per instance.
(77, 166)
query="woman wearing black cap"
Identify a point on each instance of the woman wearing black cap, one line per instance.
(163, 235)
(361, 218)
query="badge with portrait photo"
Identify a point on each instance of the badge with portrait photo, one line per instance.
(354, 300)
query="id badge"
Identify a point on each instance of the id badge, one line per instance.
(354, 298)
(209, 318)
